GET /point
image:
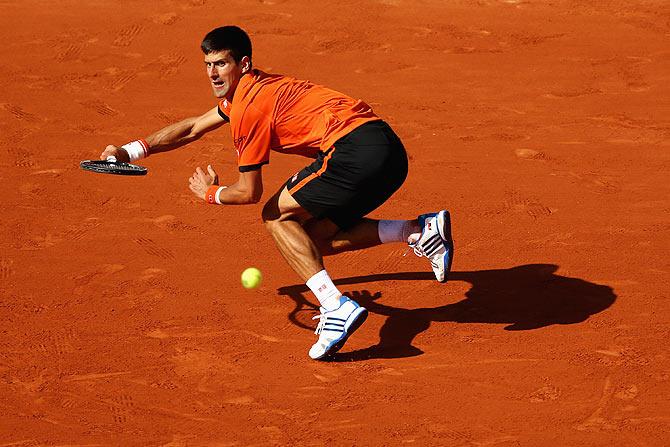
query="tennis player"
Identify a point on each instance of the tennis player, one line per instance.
(358, 163)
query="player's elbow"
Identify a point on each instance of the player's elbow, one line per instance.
(189, 129)
(192, 136)
(251, 184)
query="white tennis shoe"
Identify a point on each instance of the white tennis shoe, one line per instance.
(435, 242)
(336, 326)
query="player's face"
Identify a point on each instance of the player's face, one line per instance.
(224, 73)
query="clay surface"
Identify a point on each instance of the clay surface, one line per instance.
(543, 126)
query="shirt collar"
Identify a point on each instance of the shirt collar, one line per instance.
(242, 87)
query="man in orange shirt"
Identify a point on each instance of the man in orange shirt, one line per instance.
(359, 163)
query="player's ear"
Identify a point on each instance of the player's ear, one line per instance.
(246, 64)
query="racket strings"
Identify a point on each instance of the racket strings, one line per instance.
(112, 167)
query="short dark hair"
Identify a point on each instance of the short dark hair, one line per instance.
(231, 38)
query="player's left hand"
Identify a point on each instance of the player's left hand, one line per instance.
(200, 181)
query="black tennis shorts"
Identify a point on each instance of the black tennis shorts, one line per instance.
(352, 178)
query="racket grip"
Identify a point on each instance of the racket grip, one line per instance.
(111, 159)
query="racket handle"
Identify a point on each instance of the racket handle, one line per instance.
(111, 159)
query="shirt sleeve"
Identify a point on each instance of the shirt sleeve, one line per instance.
(223, 110)
(253, 141)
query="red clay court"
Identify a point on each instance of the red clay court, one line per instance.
(543, 126)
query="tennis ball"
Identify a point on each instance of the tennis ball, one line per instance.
(251, 278)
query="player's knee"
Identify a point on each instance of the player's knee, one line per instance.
(270, 212)
(270, 226)
(271, 216)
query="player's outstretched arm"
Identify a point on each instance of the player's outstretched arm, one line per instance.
(168, 138)
(247, 189)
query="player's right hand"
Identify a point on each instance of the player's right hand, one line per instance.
(115, 151)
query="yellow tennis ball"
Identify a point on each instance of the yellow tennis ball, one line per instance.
(251, 278)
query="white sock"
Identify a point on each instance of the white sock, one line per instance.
(397, 231)
(324, 289)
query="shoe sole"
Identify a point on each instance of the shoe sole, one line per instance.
(358, 320)
(446, 225)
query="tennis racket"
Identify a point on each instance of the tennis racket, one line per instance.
(111, 166)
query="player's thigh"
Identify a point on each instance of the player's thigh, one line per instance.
(367, 198)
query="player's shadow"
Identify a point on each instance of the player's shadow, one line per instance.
(524, 297)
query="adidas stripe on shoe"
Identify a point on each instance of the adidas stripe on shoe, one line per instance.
(336, 326)
(435, 243)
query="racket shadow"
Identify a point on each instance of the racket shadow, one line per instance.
(525, 297)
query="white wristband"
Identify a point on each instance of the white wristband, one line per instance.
(217, 199)
(136, 150)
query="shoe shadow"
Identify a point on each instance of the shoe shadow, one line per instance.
(524, 298)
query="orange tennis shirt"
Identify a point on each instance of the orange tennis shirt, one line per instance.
(279, 113)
